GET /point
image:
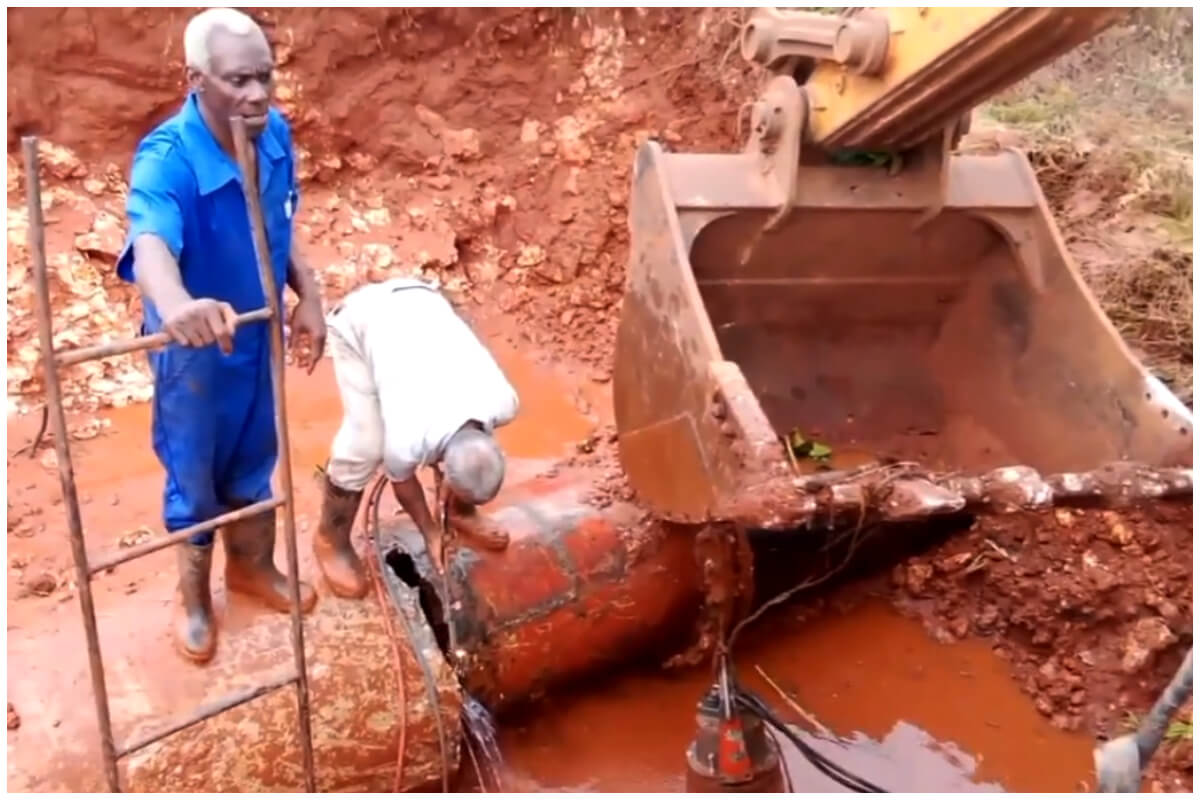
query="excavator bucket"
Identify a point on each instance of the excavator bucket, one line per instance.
(801, 323)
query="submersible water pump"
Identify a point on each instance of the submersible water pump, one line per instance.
(731, 751)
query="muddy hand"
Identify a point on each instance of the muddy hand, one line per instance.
(435, 545)
(308, 334)
(480, 529)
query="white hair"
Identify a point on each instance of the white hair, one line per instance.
(201, 27)
(474, 466)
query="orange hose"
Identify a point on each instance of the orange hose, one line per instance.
(372, 512)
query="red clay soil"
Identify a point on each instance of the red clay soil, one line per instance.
(1093, 609)
(490, 149)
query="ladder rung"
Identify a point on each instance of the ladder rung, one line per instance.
(150, 342)
(121, 556)
(209, 710)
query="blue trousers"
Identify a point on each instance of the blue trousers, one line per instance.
(213, 429)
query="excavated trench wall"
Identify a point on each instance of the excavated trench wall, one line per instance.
(489, 149)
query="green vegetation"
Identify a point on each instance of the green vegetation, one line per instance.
(1109, 129)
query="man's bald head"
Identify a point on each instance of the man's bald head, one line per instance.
(474, 466)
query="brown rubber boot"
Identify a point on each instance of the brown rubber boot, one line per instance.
(339, 563)
(250, 564)
(195, 627)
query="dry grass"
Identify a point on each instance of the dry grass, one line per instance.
(1109, 128)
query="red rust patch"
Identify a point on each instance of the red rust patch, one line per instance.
(594, 547)
(524, 577)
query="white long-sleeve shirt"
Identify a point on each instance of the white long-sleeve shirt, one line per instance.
(402, 341)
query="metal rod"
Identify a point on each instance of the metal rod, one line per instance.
(247, 161)
(208, 710)
(121, 556)
(66, 472)
(1154, 727)
(151, 342)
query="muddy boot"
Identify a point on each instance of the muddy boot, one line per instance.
(250, 564)
(195, 627)
(339, 563)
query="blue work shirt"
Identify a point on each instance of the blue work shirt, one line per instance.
(187, 191)
(213, 426)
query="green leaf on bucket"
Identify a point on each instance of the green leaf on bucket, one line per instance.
(802, 447)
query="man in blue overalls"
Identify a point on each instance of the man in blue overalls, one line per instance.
(191, 254)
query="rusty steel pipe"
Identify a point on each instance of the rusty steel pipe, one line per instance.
(207, 712)
(905, 492)
(66, 470)
(575, 572)
(152, 341)
(578, 589)
(364, 707)
(113, 559)
(247, 161)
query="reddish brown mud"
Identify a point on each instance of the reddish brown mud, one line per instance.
(1093, 610)
(120, 504)
(490, 150)
(910, 714)
(873, 677)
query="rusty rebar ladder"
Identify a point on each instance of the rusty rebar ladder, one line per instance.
(85, 571)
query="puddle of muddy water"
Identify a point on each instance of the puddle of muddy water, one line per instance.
(909, 714)
(120, 481)
(547, 422)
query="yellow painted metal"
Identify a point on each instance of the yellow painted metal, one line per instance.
(918, 37)
(939, 64)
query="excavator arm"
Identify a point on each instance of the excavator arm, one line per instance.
(892, 78)
(923, 323)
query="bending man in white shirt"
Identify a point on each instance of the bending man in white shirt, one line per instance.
(418, 389)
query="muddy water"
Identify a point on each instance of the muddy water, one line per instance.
(119, 480)
(120, 488)
(906, 713)
(911, 714)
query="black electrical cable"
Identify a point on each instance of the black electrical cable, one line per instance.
(831, 770)
(788, 786)
(828, 768)
(755, 705)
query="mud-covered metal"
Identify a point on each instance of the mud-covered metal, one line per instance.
(758, 765)
(726, 564)
(907, 492)
(578, 589)
(357, 716)
(925, 311)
